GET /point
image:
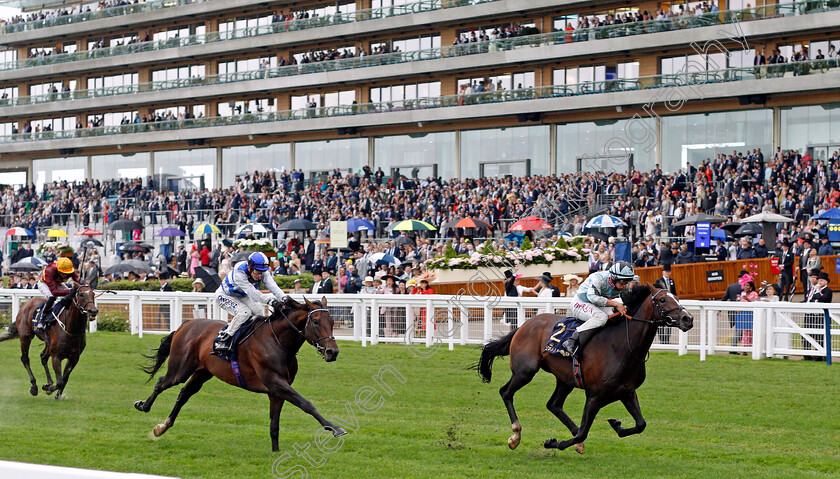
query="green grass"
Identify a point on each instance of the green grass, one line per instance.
(728, 417)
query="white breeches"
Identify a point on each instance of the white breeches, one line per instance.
(594, 316)
(241, 307)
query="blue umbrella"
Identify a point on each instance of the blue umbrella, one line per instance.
(718, 233)
(382, 258)
(605, 221)
(518, 237)
(831, 214)
(170, 231)
(359, 224)
(566, 234)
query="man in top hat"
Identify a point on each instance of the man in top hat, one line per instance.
(666, 283)
(819, 293)
(785, 269)
(164, 282)
(803, 262)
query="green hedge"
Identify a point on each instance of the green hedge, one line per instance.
(185, 284)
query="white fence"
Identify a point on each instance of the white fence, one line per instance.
(758, 329)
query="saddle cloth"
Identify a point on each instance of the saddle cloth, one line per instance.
(238, 338)
(49, 318)
(562, 330)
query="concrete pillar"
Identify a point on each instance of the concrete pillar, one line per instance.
(152, 167)
(457, 153)
(658, 151)
(552, 148)
(292, 156)
(218, 167)
(371, 152)
(777, 131)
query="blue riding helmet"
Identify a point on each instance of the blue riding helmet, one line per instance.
(258, 261)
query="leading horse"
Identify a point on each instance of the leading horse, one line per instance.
(612, 363)
(65, 338)
(267, 360)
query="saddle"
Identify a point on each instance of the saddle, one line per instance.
(48, 318)
(563, 329)
(239, 337)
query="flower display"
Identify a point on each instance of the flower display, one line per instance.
(261, 244)
(506, 258)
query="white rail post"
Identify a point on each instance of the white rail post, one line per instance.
(374, 322)
(430, 323)
(488, 323)
(758, 332)
(135, 310)
(520, 316)
(465, 323)
(15, 306)
(450, 327)
(713, 315)
(682, 343)
(176, 313)
(358, 310)
(704, 343)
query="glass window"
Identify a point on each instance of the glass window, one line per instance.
(693, 138)
(72, 169)
(238, 160)
(180, 73)
(408, 92)
(416, 155)
(8, 56)
(127, 165)
(186, 169)
(320, 156)
(13, 178)
(606, 138)
(809, 126)
(628, 70)
(504, 151)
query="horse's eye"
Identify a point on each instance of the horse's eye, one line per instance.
(662, 300)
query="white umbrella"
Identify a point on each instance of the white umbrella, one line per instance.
(605, 221)
(766, 216)
(250, 228)
(381, 258)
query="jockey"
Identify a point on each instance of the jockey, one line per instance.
(239, 294)
(51, 286)
(591, 304)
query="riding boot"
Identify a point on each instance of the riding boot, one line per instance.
(224, 345)
(40, 324)
(574, 345)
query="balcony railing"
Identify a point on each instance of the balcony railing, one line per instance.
(212, 37)
(553, 91)
(505, 44)
(609, 31)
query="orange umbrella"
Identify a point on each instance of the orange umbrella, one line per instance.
(530, 223)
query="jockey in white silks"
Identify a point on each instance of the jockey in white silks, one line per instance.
(594, 301)
(239, 294)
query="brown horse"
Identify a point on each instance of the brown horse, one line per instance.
(267, 360)
(65, 338)
(613, 362)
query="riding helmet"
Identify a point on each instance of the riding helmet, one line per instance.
(64, 265)
(258, 261)
(622, 270)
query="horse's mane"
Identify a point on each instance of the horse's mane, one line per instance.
(633, 298)
(290, 307)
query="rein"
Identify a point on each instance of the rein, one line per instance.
(85, 312)
(317, 342)
(664, 319)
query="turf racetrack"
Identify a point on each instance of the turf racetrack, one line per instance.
(729, 417)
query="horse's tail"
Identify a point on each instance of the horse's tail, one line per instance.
(159, 357)
(491, 351)
(11, 334)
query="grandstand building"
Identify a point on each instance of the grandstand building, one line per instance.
(195, 92)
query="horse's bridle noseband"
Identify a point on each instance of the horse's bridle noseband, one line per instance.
(315, 342)
(83, 308)
(665, 315)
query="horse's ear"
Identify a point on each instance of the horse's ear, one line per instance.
(324, 301)
(308, 303)
(650, 286)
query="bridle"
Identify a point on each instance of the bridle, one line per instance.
(664, 319)
(316, 342)
(83, 307)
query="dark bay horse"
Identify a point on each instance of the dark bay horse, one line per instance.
(267, 360)
(64, 338)
(613, 362)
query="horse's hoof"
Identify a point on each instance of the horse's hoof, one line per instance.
(46, 387)
(49, 390)
(139, 406)
(338, 431)
(59, 395)
(33, 390)
(550, 443)
(513, 441)
(615, 423)
(580, 448)
(159, 430)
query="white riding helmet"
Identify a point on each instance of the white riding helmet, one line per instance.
(622, 270)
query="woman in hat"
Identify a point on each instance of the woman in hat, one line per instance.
(368, 287)
(389, 312)
(572, 282)
(298, 287)
(198, 285)
(544, 289)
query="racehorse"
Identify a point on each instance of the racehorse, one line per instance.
(612, 363)
(65, 338)
(267, 360)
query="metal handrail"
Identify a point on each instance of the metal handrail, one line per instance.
(552, 91)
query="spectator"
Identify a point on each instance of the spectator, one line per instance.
(744, 319)
(825, 247)
(666, 283)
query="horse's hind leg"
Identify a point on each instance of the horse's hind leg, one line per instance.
(523, 372)
(24, 358)
(555, 405)
(631, 402)
(193, 386)
(56, 364)
(45, 356)
(176, 373)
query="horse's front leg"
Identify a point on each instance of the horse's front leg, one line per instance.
(62, 380)
(56, 364)
(45, 357)
(631, 402)
(274, 427)
(590, 410)
(280, 388)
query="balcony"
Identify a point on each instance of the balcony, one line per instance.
(816, 75)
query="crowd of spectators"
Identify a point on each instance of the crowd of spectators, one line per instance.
(66, 11)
